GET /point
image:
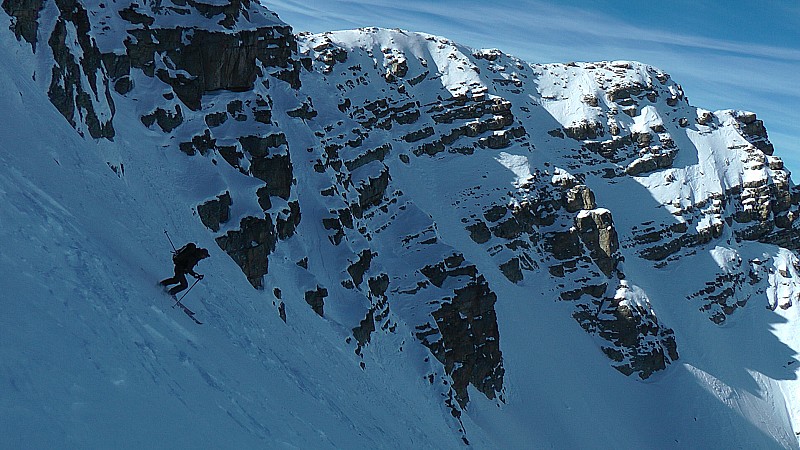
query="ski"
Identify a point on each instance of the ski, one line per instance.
(189, 313)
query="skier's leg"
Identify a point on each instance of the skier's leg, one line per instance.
(175, 279)
(181, 277)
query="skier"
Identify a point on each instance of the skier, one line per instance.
(185, 258)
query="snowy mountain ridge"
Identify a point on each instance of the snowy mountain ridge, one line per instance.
(475, 241)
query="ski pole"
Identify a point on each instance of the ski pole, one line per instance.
(185, 293)
(170, 242)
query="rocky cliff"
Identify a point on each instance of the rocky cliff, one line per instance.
(407, 180)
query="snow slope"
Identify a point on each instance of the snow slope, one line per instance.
(94, 357)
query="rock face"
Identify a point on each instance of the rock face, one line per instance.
(316, 299)
(596, 230)
(465, 338)
(409, 185)
(250, 246)
(79, 88)
(25, 14)
(215, 212)
(195, 61)
(639, 343)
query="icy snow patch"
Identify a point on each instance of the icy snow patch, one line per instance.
(646, 120)
(518, 164)
(726, 258)
(588, 212)
(633, 297)
(784, 282)
(562, 177)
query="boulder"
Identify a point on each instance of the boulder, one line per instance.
(596, 230)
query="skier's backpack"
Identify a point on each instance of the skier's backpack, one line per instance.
(183, 254)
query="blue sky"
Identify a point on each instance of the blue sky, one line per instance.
(727, 55)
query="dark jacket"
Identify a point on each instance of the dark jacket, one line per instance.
(187, 257)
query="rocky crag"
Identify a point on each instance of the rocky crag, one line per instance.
(416, 183)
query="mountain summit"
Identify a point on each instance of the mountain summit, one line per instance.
(413, 243)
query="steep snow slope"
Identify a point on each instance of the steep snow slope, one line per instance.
(464, 247)
(93, 356)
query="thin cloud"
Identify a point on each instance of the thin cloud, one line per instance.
(535, 18)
